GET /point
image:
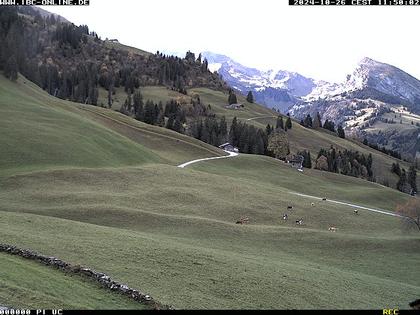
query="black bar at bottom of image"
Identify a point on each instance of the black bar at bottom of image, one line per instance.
(386, 311)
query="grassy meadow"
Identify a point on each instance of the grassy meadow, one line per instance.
(96, 188)
(30, 285)
(300, 138)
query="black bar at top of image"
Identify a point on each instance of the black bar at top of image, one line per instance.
(44, 2)
(354, 2)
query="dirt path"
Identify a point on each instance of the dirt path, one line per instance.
(351, 205)
(231, 154)
(253, 118)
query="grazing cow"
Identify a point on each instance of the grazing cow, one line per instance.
(332, 229)
(289, 207)
(323, 199)
(242, 220)
(356, 211)
(285, 216)
(299, 222)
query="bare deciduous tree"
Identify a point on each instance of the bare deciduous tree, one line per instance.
(411, 213)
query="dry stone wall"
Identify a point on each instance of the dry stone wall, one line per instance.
(99, 277)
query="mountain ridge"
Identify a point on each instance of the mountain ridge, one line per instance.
(368, 96)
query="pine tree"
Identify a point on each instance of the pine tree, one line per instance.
(232, 98)
(149, 113)
(190, 56)
(177, 125)
(279, 123)
(204, 65)
(411, 178)
(288, 123)
(396, 169)
(161, 116)
(308, 121)
(307, 163)
(317, 121)
(126, 107)
(250, 97)
(365, 141)
(138, 105)
(268, 129)
(223, 128)
(110, 89)
(402, 182)
(234, 132)
(308, 160)
(329, 125)
(340, 132)
(170, 122)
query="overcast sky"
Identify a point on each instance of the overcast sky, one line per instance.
(320, 42)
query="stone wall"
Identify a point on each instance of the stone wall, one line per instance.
(103, 279)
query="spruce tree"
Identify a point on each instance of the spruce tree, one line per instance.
(340, 132)
(138, 105)
(402, 182)
(177, 125)
(161, 116)
(396, 169)
(234, 132)
(411, 178)
(317, 121)
(232, 98)
(268, 129)
(288, 123)
(170, 122)
(279, 123)
(308, 121)
(149, 113)
(250, 97)
(204, 65)
(308, 160)
(110, 88)
(223, 128)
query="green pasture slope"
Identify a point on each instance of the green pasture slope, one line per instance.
(300, 138)
(123, 207)
(39, 132)
(31, 285)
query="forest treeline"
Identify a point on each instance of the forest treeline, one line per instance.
(71, 62)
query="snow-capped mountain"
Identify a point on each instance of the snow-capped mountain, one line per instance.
(386, 79)
(377, 101)
(274, 88)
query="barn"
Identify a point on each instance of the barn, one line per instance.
(296, 161)
(228, 147)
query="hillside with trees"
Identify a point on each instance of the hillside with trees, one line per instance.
(72, 62)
